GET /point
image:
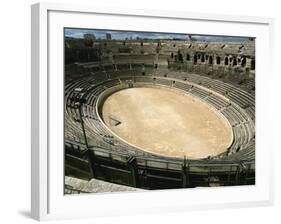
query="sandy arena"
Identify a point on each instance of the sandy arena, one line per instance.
(166, 122)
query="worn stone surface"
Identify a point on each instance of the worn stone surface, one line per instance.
(74, 185)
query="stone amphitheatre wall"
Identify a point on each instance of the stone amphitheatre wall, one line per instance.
(216, 58)
(231, 59)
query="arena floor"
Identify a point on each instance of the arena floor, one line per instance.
(166, 122)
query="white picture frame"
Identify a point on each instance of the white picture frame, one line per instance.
(48, 201)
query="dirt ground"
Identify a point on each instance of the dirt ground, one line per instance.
(166, 122)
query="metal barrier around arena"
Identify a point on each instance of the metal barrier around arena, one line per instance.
(153, 173)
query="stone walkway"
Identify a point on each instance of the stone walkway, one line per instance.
(77, 186)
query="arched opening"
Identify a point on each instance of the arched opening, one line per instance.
(172, 55)
(187, 57)
(243, 63)
(218, 60)
(210, 60)
(234, 62)
(253, 64)
(202, 59)
(226, 61)
(180, 56)
(195, 59)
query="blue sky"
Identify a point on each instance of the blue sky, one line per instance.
(122, 35)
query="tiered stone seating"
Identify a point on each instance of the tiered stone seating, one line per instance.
(134, 59)
(236, 105)
(201, 93)
(229, 115)
(120, 73)
(164, 82)
(143, 79)
(99, 76)
(251, 112)
(123, 66)
(243, 155)
(217, 102)
(182, 86)
(111, 83)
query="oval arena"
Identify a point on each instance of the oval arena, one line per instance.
(167, 123)
(154, 122)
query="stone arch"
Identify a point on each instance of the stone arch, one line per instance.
(226, 61)
(195, 59)
(202, 58)
(211, 60)
(218, 59)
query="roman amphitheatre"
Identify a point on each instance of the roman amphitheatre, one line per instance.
(159, 113)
